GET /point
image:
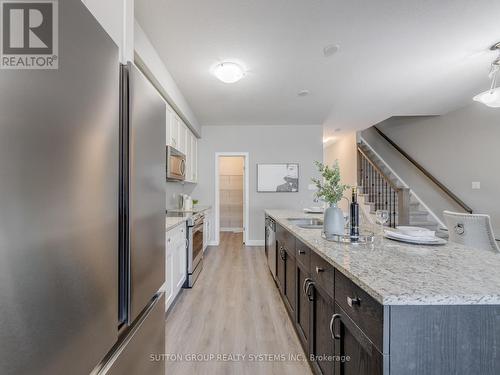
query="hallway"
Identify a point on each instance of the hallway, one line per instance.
(235, 310)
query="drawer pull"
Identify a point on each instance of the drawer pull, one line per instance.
(332, 327)
(282, 254)
(305, 287)
(319, 269)
(353, 301)
(310, 295)
(302, 252)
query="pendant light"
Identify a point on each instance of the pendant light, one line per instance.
(491, 97)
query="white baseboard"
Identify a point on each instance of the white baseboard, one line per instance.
(235, 230)
(212, 243)
(255, 243)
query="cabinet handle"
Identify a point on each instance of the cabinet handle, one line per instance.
(353, 301)
(319, 269)
(332, 327)
(302, 252)
(282, 253)
(305, 287)
(310, 296)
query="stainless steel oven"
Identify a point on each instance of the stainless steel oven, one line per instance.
(195, 249)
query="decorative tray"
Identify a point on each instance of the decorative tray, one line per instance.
(365, 237)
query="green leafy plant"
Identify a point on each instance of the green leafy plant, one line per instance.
(195, 201)
(330, 190)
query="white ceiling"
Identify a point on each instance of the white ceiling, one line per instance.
(396, 57)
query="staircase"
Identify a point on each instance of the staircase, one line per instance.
(381, 189)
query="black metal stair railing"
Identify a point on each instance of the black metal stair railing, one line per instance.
(382, 192)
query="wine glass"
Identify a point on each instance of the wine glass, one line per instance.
(382, 217)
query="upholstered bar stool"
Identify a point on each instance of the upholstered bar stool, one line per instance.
(473, 230)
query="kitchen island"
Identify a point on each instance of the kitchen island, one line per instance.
(392, 308)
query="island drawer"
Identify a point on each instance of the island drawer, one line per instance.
(285, 239)
(363, 309)
(323, 273)
(303, 254)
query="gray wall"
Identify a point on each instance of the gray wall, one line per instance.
(174, 189)
(458, 148)
(265, 144)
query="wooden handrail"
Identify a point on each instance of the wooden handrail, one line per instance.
(425, 172)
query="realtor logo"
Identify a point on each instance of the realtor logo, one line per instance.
(29, 37)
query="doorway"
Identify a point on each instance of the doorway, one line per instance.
(231, 194)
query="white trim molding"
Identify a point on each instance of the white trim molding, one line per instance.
(246, 195)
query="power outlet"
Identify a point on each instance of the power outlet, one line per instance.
(476, 185)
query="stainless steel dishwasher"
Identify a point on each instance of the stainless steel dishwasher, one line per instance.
(271, 245)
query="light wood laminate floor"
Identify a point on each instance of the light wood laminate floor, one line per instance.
(233, 309)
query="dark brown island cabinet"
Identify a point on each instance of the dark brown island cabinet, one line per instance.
(345, 331)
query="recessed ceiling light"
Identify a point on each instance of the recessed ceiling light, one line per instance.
(228, 72)
(330, 50)
(338, 129)
(303, 93)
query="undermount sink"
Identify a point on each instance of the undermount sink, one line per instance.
(312, 223)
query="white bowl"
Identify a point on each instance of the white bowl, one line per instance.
(416, 231)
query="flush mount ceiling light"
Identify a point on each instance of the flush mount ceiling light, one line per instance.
(303, 93)
(491, 97)
(228, 72)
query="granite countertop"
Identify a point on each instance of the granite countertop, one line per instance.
(196, 209)
(182, 215)
(395, 273)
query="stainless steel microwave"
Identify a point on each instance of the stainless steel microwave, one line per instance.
(176, 165)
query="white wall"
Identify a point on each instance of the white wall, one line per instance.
(117, 18)
(458, 148)
(344, 149)
(265, 144)
(148, 58)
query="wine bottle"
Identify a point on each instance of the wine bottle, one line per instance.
(354, 215)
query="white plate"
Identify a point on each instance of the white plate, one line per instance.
(416, 231)
(414, 240)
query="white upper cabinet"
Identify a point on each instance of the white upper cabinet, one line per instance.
(194, 158)
(189, 157)
(172, 127)
(180, 137)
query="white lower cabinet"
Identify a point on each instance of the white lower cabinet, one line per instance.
(175, 270)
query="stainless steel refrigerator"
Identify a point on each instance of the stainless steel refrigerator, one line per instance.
(82, 202)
